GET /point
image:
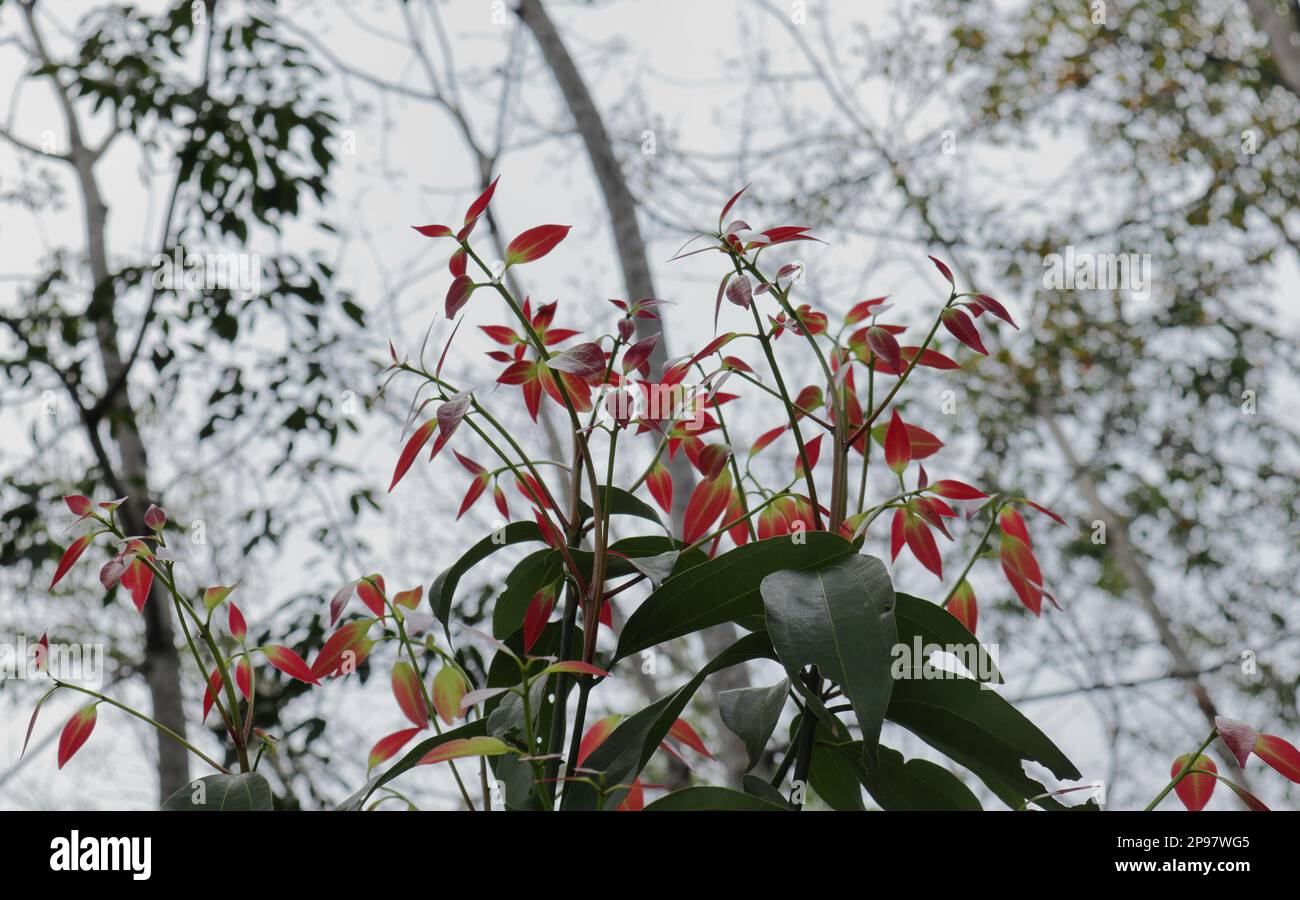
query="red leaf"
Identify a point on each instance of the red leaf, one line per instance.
(433, 231)
(684, 733)
(244, 677)
(476, 489)
(996, 308)
(210, 692)
(340, 600)
(740, 291)
(921, 542)
(371, 590)
(576, 667)
(1280, 754)
(343, 649)
(31, 723)
(963, 606)
(585, 360)
(956, 490)
(660, 483)
(411, 450)
(410, 696)
(635, 799)
(535, 243)
(478, 206)
(449, 690)
(943, 270)
(813, 450)
(138, 579)
(1021, 570)
(154, 518)
(637, 356)
(536, 617)
(930, 358)
(1045, 511)
(896, 536)
(963, 329)
(730, 203)
(386, 747)
(595, 736)
(924, 444)
(1239, 737)
(885, 346)
(1195, 788)
(462, 286)
(898, 445)
(289, 663)
(1013, 524)
(862, 310)
(76, 732)
(707, 502)
(79, 504)
(70, 556)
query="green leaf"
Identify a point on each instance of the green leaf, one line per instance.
(709, 798)
(840, 618)
(477, 728)
(534, 571)
(752, 713)
(444, 586)
(757, 787)
(976, 728)
(624, 753)
(836, 772)
(222, 793)
(917, 784)
(724, 589)
(932, 624)
(621, 503)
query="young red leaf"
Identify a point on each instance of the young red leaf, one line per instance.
(409, 694)
(896, 536)
(660, 483)
(898, 445)
(371, 590)
(1021, 570)
(595, 736)
(812, 450)
(963, 606)
(289, 663)
(921, 542)
(449, 688)
(930, 358)
(535, 243)
(79, 505)
(586, 360)
(477, 208)
(956, 490)
(138, 579)
(462, 287)
(31, 723)
(386, 747)
(154, 518)
(943, 270)
(995, 308)
(740, 291)
(410, 598)
(1045, 511)
(1013, 523)
(707, 502)
(210, 692)
(462, 747)
(411, 450)
(1195, 788)
(476, 489)
(766, 438)
(244, 678)
(340, 600)
(1238, 736)
(684, 733)
(76, 732)
(70, 556)
(1280, 754)
(885, 346)
(433, 231)
(574, 667)
(730, 203)
(343, 650)
(637, 356)
(963, 329)
(536, 617)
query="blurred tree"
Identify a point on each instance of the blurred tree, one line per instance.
(243, 149)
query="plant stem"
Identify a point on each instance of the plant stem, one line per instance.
(979, 548)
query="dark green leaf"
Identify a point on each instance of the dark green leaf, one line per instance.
(724, 589)
(840, 618)
(222, 793)
(625, 752)
(706, 797)
(535, 571)
(917, 618)
(975, 727)
(752, 713)
(444, 586)
(917, 784)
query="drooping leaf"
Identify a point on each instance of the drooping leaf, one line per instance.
(290, 663)
(76, 732)
(1196, 787)
(409, 693)
(840, 618)
(752, 714)
(449, 688)
(408, 761)
(707, 797)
